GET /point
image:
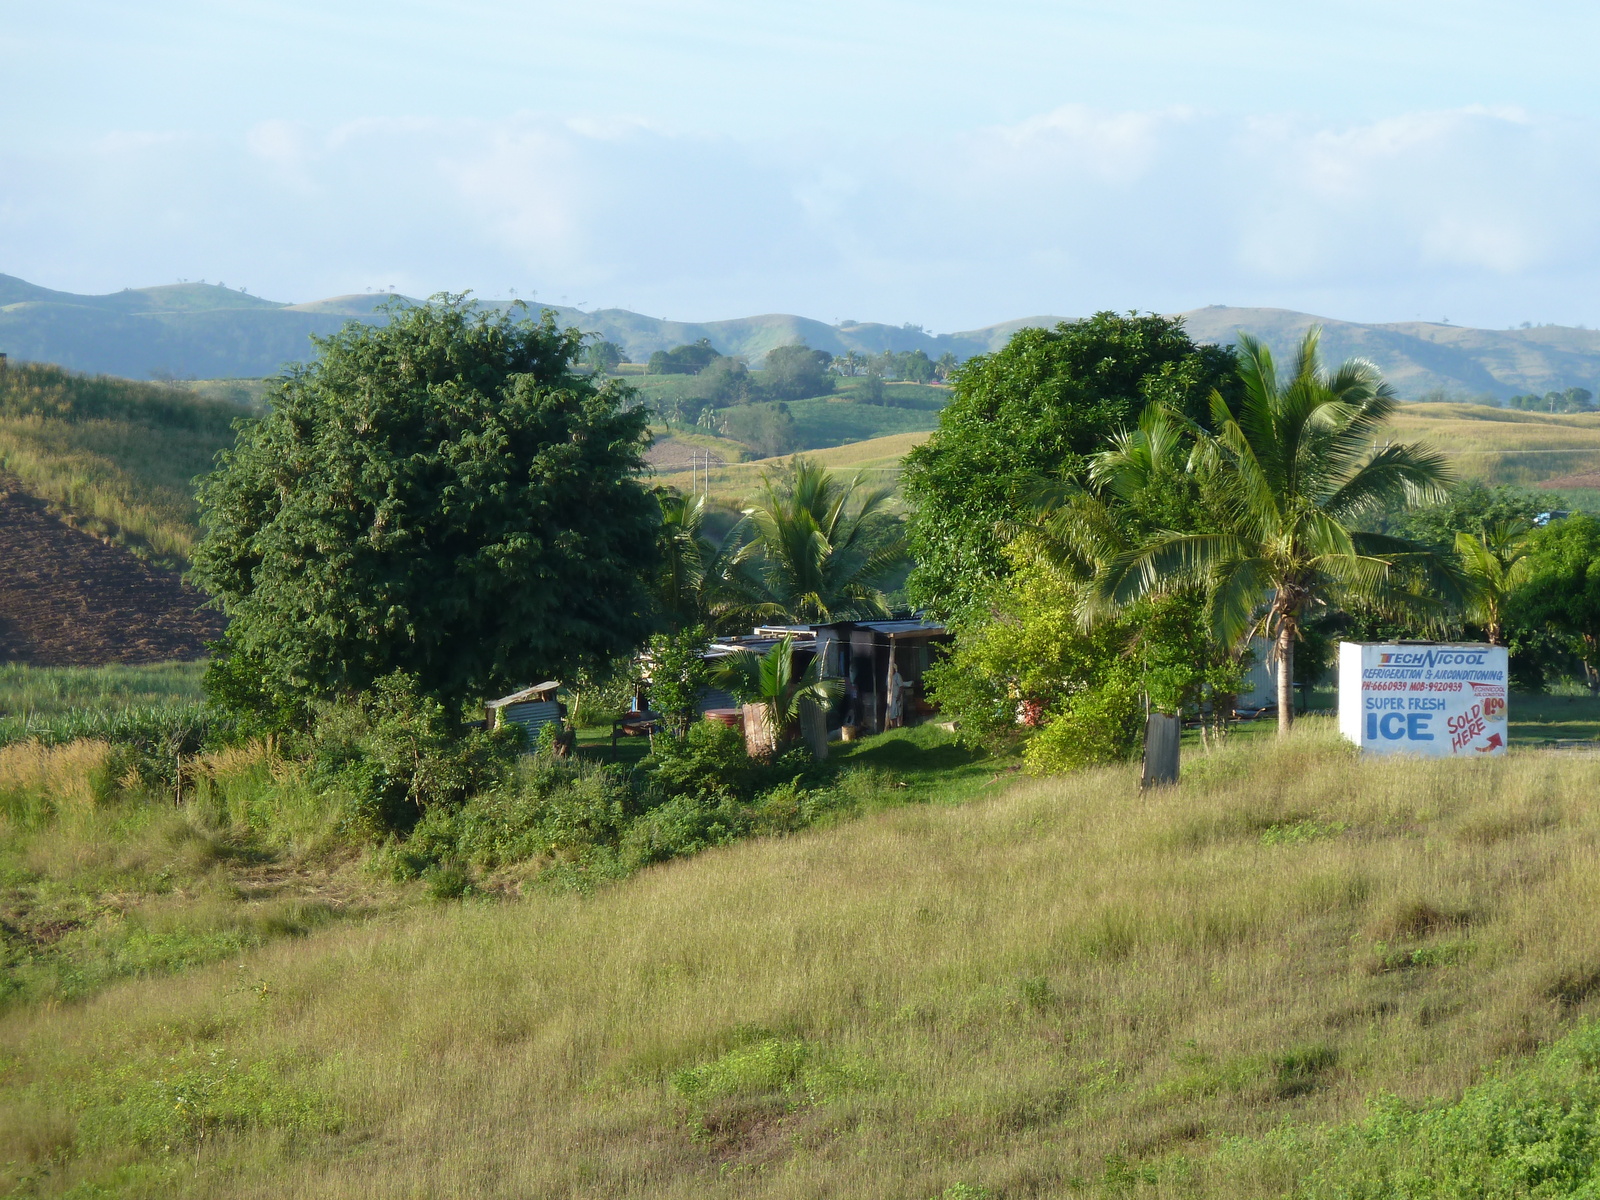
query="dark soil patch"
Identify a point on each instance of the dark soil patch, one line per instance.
(1583, 479)
(68, 599)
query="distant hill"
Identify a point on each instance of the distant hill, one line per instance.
(206, 331)
(1419, 357)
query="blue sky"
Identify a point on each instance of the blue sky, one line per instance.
(947, 164)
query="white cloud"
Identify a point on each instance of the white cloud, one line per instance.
(1484, 214)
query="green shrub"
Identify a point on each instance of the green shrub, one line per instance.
(684, 825)
(394, 754)
(448, 880)
(1532, 1132)
(707, 763)
(1098, 727)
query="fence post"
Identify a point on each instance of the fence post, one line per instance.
(1161, 737)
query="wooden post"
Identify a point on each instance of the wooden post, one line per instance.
(1161, 735)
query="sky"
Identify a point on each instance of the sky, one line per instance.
(941, 163)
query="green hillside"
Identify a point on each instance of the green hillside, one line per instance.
(116, 457)
(1294, 974)
(210, 331)
(820, 422)
(1418, 357)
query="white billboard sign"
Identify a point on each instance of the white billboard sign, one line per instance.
(1427, 698)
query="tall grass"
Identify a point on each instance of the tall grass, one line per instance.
(1067, 988)
(56, 691)
(118, 457)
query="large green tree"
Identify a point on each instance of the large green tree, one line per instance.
(1293, 470)
(1561, 589)
(1037, 408)
(443, 495)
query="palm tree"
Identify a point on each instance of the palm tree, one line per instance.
(769, 682)
(821, 549)
(1494, 562)
(1292, 470)
(700, 581)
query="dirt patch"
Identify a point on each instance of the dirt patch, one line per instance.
(1582, 480)
(68, 599)
(668, 454)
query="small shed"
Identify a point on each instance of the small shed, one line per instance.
(533, 708)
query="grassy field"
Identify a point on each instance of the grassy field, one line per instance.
(838, 419)
(1242, 986)
(56, 691)
(877, 459)
(1502, 445)
(118, 458)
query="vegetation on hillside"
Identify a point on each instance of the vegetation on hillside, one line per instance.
(224, 972)
(118, 458)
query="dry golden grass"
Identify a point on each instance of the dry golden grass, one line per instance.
(1020, 994)
(1502, 445)
(34, 776)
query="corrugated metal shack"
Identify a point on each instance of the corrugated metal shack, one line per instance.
(863, 653)
(762, 639)
(533, 708)
(867, 654)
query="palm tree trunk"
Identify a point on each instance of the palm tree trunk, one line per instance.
(1286, 631)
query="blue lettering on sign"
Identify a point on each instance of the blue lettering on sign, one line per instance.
(1393, 726)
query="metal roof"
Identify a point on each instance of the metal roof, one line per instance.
(724, 646)
(901, 628)
(539, 691)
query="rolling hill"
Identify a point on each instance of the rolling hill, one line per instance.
(207, 331)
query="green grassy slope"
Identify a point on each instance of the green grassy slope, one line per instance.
(118, 457)
(1060, 987)
(823, 422)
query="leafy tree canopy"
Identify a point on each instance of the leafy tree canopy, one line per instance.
(1469, 508)
(1561, 588)
(683, 360)
(1037, 408)
(442, 495)
(602, 356)
(796, 372)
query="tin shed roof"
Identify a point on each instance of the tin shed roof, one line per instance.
(539, 691)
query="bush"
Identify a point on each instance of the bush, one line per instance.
(583, 822)
(395, 754)
(684, 825)
(796, 372)
(1097, 727)
(768, 429)
(707, 763)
